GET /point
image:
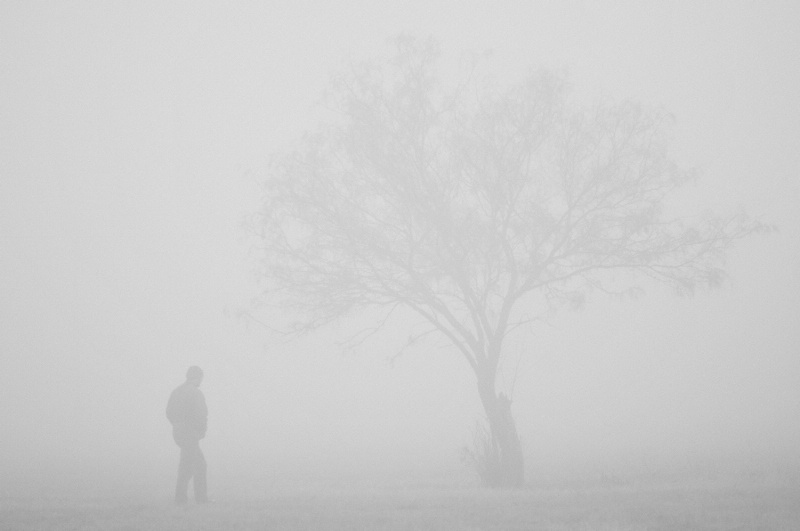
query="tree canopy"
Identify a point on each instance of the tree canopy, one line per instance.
(473, 203)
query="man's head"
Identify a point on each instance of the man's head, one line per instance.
(194, 375)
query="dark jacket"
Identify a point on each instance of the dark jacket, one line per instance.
(187, 412)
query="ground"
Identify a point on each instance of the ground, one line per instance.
(666, 505)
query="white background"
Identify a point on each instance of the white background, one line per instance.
(133, 139)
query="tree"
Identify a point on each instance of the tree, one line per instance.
(477, 206)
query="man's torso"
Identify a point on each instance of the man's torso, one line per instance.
(187, 412)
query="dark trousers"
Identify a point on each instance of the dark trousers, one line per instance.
(192, 466)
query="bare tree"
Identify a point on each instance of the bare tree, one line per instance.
(477, 206)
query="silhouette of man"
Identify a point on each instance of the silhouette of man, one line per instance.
(187, 412)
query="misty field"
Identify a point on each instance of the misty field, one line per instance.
(667, 506)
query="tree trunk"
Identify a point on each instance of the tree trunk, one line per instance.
(502, 464)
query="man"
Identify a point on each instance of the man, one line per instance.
(187, 412)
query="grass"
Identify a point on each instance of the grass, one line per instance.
(668, 506)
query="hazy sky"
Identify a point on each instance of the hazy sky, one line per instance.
(133, 137)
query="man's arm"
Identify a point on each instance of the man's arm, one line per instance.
(201, 414)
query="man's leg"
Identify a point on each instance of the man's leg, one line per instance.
(185, 472)
(200, 492)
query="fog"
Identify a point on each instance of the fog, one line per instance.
(133, 142)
